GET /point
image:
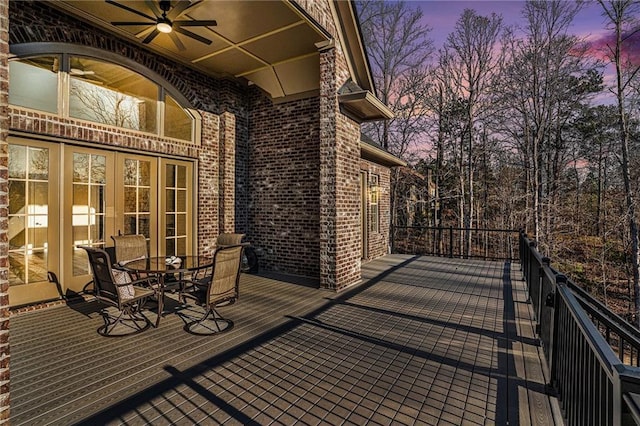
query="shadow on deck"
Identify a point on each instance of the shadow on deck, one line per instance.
(421, 341)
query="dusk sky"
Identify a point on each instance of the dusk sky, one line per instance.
(441, 16)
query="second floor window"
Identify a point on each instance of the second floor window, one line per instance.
(102, 92)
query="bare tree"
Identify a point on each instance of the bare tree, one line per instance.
(470, 62)
(622, 18)
(540, 90)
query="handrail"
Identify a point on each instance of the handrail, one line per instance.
(592, 353)
(482, 243)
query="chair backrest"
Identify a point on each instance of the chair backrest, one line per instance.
(130, 247)
(226, 274)
(228, 239)
(103, 280)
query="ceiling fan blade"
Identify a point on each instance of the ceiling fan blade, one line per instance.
(192, 35)
(211, 23)
(180, 8)
(146, 31)
(129, 9)
(176, 41)
(132, 23)
(154, 7)
(151, 36)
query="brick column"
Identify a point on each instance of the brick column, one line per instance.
(227, 158)
(208, 184)
(4, 204)
(340, 237)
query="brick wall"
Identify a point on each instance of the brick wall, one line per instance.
(4, 204)
(378, 242)
(283, 171)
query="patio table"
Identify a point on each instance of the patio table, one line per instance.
(164, 267)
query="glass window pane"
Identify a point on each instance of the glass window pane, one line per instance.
(17, 270)
(130, 171)
(80, 167)
(144, 174)
(181, 246)
(38, 238)
(130, 224)
(17, 197)
(170, 180)
(39, 195)
(171, 200)
(80, 262)
(177, 122)
(170, 247)
(38, 266)
(17, 233)
(182, 201)
(107, 93)
(80, 197)
(171, 225)
(143, 225)
(144, 204)
(181, 222)
(98, 169)
(97, 199)
(130, 203)
(17, 162)
(34, 83)
(81, 231)
(38, 163)
(182, 177)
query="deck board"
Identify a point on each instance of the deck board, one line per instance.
(422, 340)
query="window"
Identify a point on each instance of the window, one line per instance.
(110, 94)
(177, 122)
(374, 201)
(98, 91)
(34, 83)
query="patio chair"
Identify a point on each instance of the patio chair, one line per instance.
(126, 296)
(228, 239)
(129, 247)
(221, 287)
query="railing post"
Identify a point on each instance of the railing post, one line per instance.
(561, 280)
(450, 241)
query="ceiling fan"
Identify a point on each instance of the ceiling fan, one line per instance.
(165, 20)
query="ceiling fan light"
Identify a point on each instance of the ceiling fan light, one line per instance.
(163, 27)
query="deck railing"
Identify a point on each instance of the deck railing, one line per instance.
(593, 355)
(482, 243)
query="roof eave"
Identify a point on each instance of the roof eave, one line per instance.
(364, 106)
(379, 156)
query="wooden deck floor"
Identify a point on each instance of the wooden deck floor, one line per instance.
(421, 341)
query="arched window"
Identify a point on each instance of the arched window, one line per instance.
(99, 91)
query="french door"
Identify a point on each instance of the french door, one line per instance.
(84, 197)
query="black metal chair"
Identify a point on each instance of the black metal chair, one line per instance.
(218, 288)
(126, 296)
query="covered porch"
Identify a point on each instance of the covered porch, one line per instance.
(422, 340)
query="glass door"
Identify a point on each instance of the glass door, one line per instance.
(137, 198)
(33, 220)
(63, 196)
(176, 228)
(89, 213)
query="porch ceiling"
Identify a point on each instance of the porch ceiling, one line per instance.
(271, 44)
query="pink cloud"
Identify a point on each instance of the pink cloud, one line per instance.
(600, 44)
